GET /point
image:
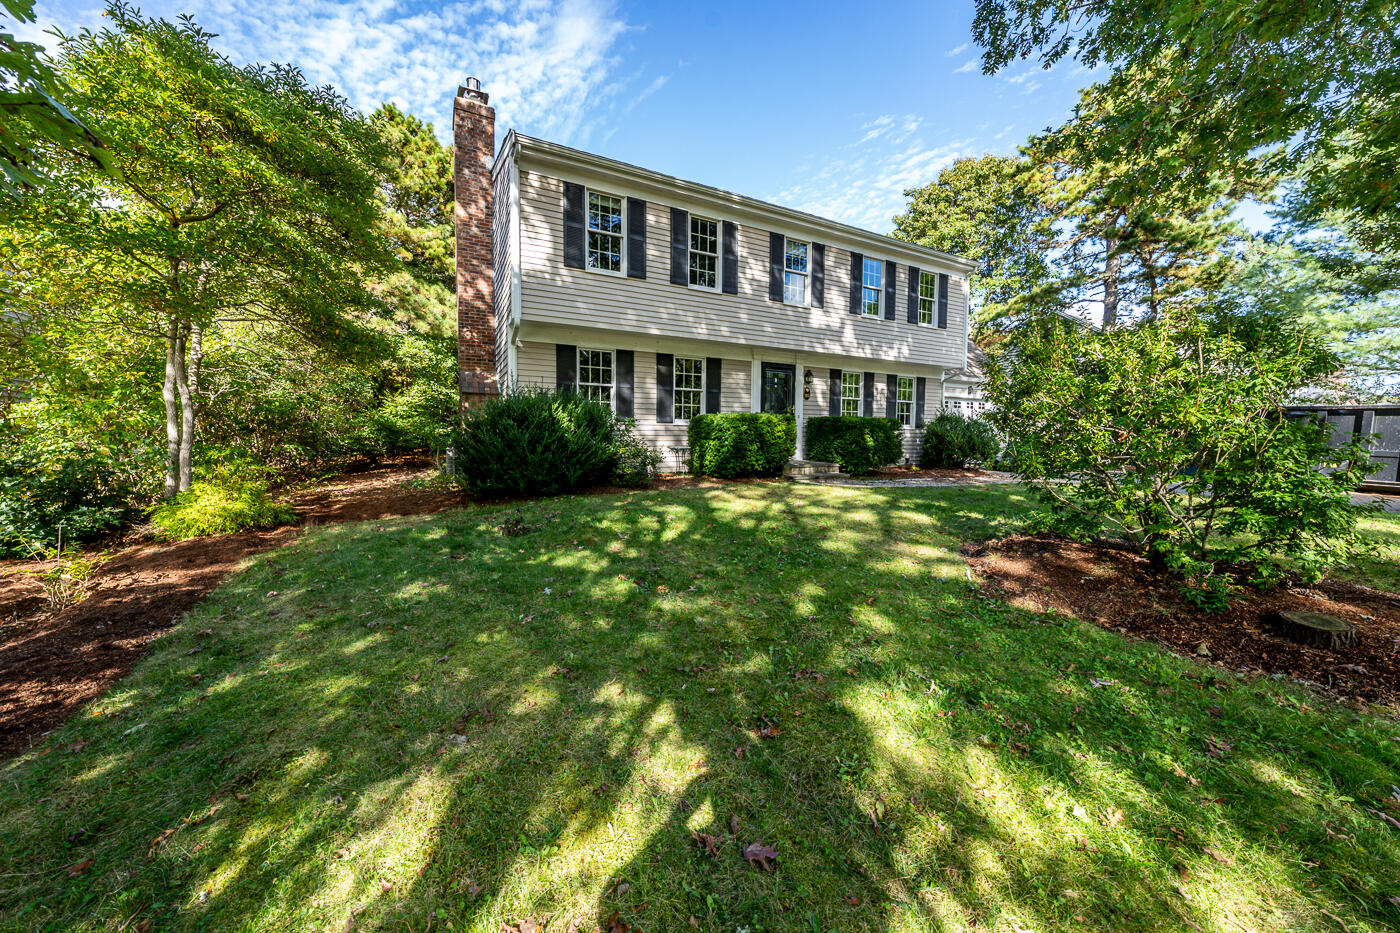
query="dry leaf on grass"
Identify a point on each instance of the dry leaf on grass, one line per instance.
(759, 853)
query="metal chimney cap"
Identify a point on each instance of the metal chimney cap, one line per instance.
(471, 89)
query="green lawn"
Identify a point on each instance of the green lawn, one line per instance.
(1381, 569)
(469, 719)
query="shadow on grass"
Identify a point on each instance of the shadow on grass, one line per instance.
(441, 723)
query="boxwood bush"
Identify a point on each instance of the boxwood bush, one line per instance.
(952, 441)
(743, 443)
(859, 445)
(538, 442)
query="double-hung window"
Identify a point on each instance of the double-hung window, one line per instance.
(595, 375)
(850, 393)
(928, 296)
(704, 253)
(904, 400)
(795, 272)
(689, 387)
(604, 232)
(871, 286)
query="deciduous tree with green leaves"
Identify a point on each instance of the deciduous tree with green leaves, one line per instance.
(242, 197)
(984, 209)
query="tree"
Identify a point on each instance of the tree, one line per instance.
(983, 209)
(242, 197)
(417, 219)
(1233, 91)
(1171, 433)
(32, 121)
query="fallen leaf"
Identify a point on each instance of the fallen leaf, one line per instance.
(733, 824)
(1394, 900)
(341, 854)
(1101, 682)
(386, 886)
(616, 924)
(759, 853)
(155, 843)
(473, 889)
(1395, 824)
(1217, 748)
(692, 921)
(143, 926)
(707, 843)
(1176, 769)
(77, 868)
(852, 900)
(1203, 650)
(768, 731)
(238, 796)
(1219, 856)
(1112, 816)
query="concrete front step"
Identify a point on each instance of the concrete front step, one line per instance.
(811, 469)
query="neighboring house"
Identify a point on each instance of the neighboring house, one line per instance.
(963, 388)
(668, 298)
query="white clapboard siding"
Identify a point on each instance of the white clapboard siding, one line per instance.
(502, 277)
(556, 295)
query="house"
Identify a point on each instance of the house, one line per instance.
(668, 298)
(963, 388)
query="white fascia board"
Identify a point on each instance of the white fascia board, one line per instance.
(564, 162)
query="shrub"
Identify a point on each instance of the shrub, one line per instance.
(741, 444)
(48, 483)
(219, 507)
(636, 461)
(67, 579)
(859, 445)
(537, 442)
(1170, 433)
(952, 441)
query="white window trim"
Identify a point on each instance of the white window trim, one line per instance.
(675, 374)
(719, 253)
(622, 246)
(612, 370)
(807, 292)
(913, 399)
(860, 394)
(933, 313)
(879, 314)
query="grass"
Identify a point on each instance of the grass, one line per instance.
(459, 721)
(1381, 569)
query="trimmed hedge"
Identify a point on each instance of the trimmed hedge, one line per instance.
(950, 440)
(741, 443)
(859, 445)
(538, 442)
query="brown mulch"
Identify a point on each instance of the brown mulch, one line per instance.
(1121, 591)
(970, 474)
(51, 665)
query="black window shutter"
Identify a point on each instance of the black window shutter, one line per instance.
(729, 271)
(891, 393)
(775, 266)
(890, 290)
(665, 388)
(818, 275)
(857, 266)
(920, 385)
(622, 383)
(713, 373)
(913, 295)
(636, 238)
(565, 365)
(942, 299)
(834, 402)
(868, 402)
(573, 225)
(680, 246)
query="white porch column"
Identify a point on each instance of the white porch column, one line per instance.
(797, 413)
(755, 398)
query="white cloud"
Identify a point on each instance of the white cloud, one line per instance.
(866, 186)
(546, 63)
(957, 51)
(965, 67)
(657, 84)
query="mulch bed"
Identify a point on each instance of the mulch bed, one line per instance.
(51, 665)
(969, 475)
(1121, 591)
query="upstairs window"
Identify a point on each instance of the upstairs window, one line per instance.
(850, 393)
(704, 253)
(904, 400)
(928, 296)
(595, 375)
(795, 273)
(604, 232)
(689, 387)
(871, 286)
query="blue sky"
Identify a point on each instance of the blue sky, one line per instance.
(826, 107)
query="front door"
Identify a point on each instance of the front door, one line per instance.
(779, 388)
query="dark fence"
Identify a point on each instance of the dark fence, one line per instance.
(1347, 421)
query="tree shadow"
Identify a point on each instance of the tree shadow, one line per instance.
(501, 721)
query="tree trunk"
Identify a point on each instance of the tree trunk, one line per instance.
(1110, 287)
(174, 364)
(182, 383)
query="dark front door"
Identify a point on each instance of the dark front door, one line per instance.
(779, 386)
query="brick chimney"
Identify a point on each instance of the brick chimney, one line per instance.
(473, 148)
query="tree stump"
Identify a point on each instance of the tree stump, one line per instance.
(1314, 628)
